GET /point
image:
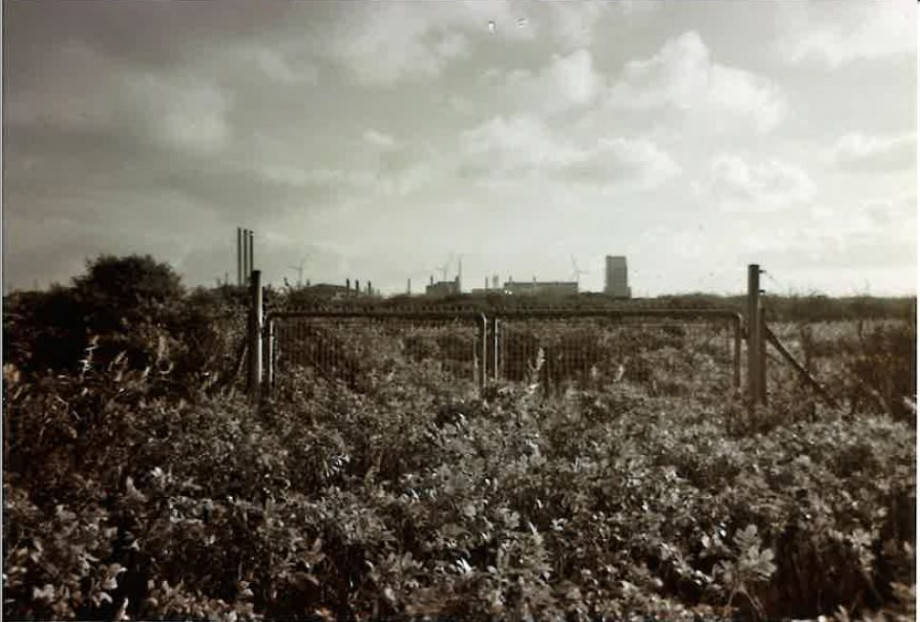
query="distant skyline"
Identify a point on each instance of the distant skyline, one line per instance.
(375, 140)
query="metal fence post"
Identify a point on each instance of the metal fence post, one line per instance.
(268, 356)
(762, 351)
(754, 335)
(483, 339)
(255, 335)
(736, 361)
(496, 350)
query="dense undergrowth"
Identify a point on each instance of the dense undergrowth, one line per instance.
(144, 488)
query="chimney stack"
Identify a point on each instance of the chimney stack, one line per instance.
(244, 254)
(239, 256)
(252, 263)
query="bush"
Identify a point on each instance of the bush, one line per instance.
(395, 490)
(131, 307)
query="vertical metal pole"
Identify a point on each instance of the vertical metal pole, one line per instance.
(252, 263)
(239, 256)
(736, 361)
(496, 365)
(246, 267)
(255, 336)
(754, 334)
(269, 344)
(762, 350)
(484, 348)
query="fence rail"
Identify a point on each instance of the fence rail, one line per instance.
(555, 347)
(581, 347)
(341, 341)
(495, 351)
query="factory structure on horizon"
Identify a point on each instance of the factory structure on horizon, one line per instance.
(616, 284)
(534, 287)
(442, 288)
(616, 281)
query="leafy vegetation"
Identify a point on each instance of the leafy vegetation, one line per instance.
(142, 488)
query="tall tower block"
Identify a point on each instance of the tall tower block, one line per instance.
(616, 281)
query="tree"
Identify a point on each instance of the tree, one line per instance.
(129, 281)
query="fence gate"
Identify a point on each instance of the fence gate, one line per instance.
(345, 343)
(526, 344)
(587, 348)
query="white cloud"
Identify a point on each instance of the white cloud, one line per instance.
(522, 146)
(614, 161)
(512, 21)
(861, 152)
(284, 175)
(895, 212)
(88, 91)
(683, 77)
(564, 82)
(453, 45)
(184, 113)
(68, 96)
(379, 139)
(573, 23)
(383, 43)
(739, 185)
(279, 68)
(336, 176)
(520, 143)
(892, 219)
(838, 33)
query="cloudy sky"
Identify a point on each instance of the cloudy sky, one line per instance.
(383, 140)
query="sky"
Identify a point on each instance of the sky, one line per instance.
(385, 141)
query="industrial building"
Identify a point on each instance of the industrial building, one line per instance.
(495, 288)
(616, 277)
(338, 292)
(443, 288)
(541, 288)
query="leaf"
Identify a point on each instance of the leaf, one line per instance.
(133, 493)
(747, 538)
(111, 574)
(46, 594)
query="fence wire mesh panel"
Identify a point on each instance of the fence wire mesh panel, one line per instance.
(671, 357)
(349, 346)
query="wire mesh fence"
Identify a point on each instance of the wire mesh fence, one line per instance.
(670, 350)
(593, 352)
(346, 345)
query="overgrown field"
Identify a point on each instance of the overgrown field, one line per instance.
(146, 486)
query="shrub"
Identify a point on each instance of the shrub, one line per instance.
(399, 492)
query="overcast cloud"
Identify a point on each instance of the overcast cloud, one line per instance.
(374, 140)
